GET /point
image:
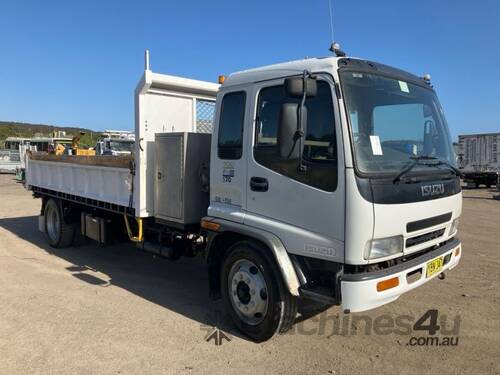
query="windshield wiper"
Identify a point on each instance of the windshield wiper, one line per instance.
(451, 167)
(417, 161)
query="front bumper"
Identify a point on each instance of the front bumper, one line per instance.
(359, 291)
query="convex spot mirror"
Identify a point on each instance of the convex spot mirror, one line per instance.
(294, 87)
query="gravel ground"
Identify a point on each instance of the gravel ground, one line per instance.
(112, 310)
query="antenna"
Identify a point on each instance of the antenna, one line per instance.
(330, 7)
(334, 46)
(146, 59)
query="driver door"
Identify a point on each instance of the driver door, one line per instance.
(305, 209)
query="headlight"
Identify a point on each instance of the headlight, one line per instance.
(383, 247)
(454, 227)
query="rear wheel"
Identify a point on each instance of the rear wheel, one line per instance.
(59, 233)
(254, 293)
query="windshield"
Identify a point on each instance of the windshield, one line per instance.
(394, 122)
(121, 146)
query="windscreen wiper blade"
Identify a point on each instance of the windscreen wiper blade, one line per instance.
(451, 167)
(416, 161)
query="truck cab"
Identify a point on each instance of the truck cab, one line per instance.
(115, 142)
(368, 209)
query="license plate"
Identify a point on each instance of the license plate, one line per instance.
(434, 266)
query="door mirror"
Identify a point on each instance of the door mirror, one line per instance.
(429, 136)
(288, 145)
(294, 87)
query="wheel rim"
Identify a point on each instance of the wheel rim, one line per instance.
(52, 223)
(248, 291)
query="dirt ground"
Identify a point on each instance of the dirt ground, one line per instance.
(114, 310)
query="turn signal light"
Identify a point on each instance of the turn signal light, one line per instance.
(457, 251)
(210, 225)
(387, 284)
(222, 78)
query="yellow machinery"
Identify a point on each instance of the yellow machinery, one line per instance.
(78, 151)
(83, 152)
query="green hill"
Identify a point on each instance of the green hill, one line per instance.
(26, 130)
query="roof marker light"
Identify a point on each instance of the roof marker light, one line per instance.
(335, 48)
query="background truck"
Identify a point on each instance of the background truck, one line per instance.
(295, 181)
(115, 142)
(10, 154)
(479, 159)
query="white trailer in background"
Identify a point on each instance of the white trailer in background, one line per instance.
(479, 158)
(295, 181)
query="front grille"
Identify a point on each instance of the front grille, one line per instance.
(417, 240)
(429, 222)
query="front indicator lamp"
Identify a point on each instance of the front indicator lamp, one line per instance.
(387, 284)
(454, 227)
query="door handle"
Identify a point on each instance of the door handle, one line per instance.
(259, 184)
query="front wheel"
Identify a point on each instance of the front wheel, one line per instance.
(254, 293)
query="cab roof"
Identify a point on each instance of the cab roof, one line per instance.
(267, 72)
(317, 64)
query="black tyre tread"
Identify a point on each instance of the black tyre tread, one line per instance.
(67, 234)
(290, 314)
(287, 302)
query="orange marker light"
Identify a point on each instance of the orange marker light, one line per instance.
(222, 78)
(457, 251)
(387, 284)
(210, 225)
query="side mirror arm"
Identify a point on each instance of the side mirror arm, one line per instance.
(299, 134)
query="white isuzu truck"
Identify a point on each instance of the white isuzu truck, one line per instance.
(329, 179)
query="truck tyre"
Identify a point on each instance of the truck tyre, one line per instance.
(254, 293)
(59, 233)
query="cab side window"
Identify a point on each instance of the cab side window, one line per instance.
(232, 116)
(320, 147)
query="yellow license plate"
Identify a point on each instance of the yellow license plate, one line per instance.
(434, 266)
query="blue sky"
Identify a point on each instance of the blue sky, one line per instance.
(78, 62)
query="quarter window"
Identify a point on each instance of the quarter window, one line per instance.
(232, 117)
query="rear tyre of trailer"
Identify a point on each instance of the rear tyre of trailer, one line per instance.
(254, 293)
(59, 233)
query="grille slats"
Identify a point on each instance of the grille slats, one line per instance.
(417, 240)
